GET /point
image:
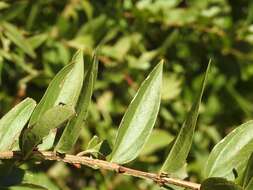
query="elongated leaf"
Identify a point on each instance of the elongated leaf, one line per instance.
(14, 35)
(13, 122)
(51, 119)
(250, 185)
(72, 130)
(139, 119)
(36, 41)
(231, 153)
(219, 184)
(181, 148)
(248, 175)
(24, 187)
(65, 89)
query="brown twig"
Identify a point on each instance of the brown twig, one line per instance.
(91, 162)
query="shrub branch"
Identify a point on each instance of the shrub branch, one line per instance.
(162, 180)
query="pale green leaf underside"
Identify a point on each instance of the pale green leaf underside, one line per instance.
(72, 130)
(231, 153)
(139, 119)
(13, 122)
(182, 145)
(51, 119)
(64, 89)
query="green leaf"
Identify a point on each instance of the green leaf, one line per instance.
(13, 122)
(14, 35)
(219, 184)
(248, 174)
(36, 41)
(231, 153)
(182, 145)
(250, 185)
(65, 89)
(14, 10)
(24, 186)
(40, 179)
(17, 177)
(93, 142)
(72, 130)
(51, 119)
(4, 5)
(139, 119)
(94, 148)
(158, 139)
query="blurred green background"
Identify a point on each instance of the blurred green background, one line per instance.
(37, 38)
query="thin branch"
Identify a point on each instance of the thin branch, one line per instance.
(101, 164)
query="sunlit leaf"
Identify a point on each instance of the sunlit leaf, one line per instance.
(72, 130)
(24, 186)
(139, 119)
(14, 35)
(250, 185)
(64, 89)
(36, 41)
(248, 175)
(182, 145)
(4, 5)
(13, 122)
(51, 119)
(231, 153)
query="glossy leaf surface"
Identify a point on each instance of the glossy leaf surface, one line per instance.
(139, 119)
(72, 130)
(231, 153)
(13, 122)
(182, 145)
(64, 89)
(52, 119)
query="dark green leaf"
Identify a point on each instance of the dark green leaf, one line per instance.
(19, 176)
(14, 10)
(219, 184)
(181, 148)
(139, 119)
